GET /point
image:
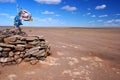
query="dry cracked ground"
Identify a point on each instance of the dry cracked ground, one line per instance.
(77, 54)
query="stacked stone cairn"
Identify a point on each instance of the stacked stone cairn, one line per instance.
(16, 47)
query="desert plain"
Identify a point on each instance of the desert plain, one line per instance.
(77, 54)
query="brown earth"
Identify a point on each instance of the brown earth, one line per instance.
(77, 54)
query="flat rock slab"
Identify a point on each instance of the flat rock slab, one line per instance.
(17, 42)
(33, 50)
(10, 39)
(28, 46)
(19, 48)
(7, 49)
(34, 42)
(30, 38)
(6, 45)
(3, 60)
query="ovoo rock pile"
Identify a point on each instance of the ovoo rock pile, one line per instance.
(16, 47)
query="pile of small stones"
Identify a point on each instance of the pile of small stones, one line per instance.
(16, 47)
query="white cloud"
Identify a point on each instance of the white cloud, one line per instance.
(57, 15)
(47, 20)
(103, 16)
(4, 14)
(91, 21)
(69, 8)
(4, 1)
(88, 13)
(117, 20)
(101, 7)
(7, 15)
(49, 1)
(11, 17)
(117, 14)
(48, 12)
(110, 21)
(89, 9)
(113, 21)
(99, 20)
(93, 16)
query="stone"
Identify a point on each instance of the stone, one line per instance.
(6, 49)
(6, 45)
(22, 54)
(4, 60)
(10, 59)
(8, 63)
(13, 62)
(28, 46)
(18, 37)
(11, 32)
(48, 51)
(18, 42)
(18, 48)
(1, 48)
(34, 61)
(11, 54)
(33, 50)
(18, 60)
(16, 57)
(5, 54)
(42, 44)
(10, 39)
(40, 53)
(18, 52)
(21, 45)
(30, 38)
(34, 43)
(27, 59)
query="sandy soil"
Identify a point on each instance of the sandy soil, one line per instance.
(77, 54)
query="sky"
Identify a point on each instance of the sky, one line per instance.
(69, 13)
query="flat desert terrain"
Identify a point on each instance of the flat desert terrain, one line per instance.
(77, 54)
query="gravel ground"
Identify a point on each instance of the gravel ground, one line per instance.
(77, 54)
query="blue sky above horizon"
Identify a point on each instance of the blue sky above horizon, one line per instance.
(74, 13)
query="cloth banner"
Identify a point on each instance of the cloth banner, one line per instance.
(24, 15)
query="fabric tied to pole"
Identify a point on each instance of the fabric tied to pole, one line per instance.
(24, 15)
(17, 21)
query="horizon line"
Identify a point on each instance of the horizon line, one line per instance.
(69, 26)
